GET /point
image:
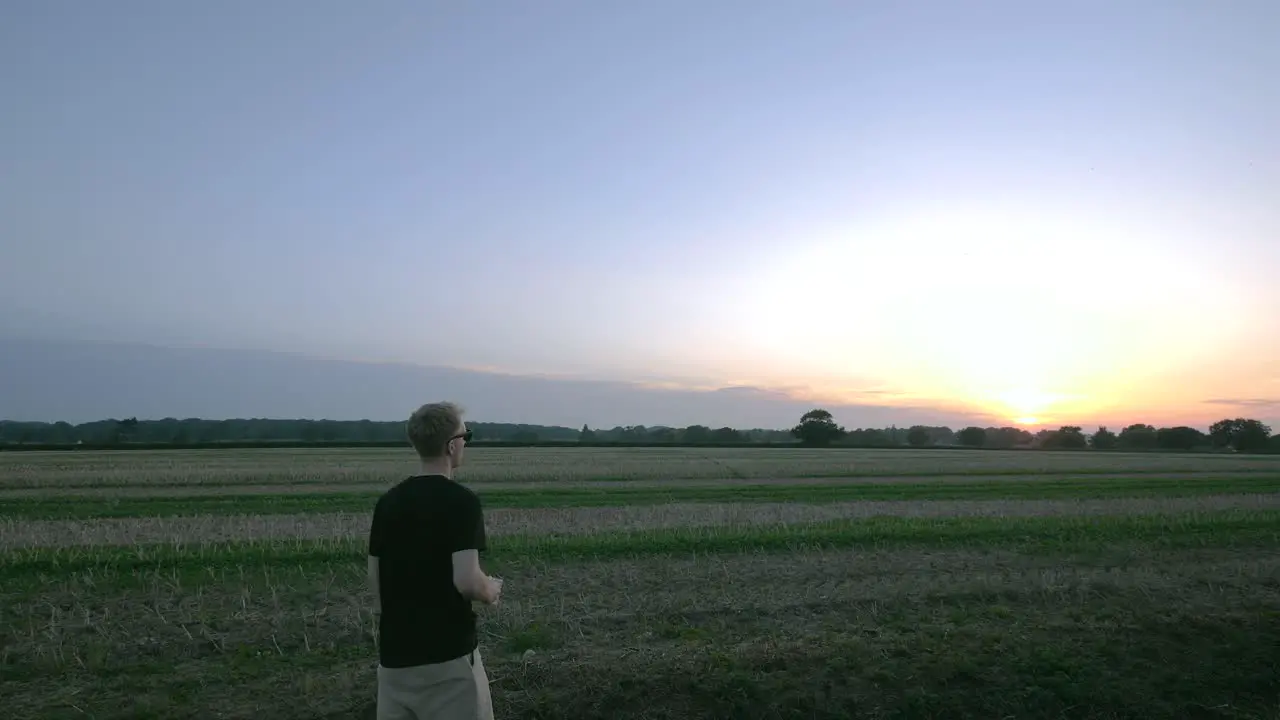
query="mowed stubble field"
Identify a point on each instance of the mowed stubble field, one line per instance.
(658, 583)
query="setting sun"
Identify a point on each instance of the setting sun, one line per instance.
(1028, 404)
(1028, 401)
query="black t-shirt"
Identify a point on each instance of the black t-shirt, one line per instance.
(417, 526)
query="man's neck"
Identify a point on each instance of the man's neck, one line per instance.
(437, 467)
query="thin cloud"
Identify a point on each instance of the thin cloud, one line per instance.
(79, 382)
(1246, 402)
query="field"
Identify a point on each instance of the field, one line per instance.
(658, 583)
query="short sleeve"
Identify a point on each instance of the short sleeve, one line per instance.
(377, 531)
(466, 531)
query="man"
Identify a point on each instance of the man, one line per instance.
(424, 571)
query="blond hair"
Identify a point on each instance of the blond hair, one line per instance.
(432, 426)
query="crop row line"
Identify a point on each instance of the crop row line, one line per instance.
(1222, 529)
(105, 507)
(165, 478)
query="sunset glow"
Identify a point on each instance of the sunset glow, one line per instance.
(989, 310)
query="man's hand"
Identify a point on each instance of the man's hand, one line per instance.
(494, 590)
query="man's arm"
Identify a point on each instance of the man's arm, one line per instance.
(376, 532)
(467, 539)
(471, 581)
(374, 586)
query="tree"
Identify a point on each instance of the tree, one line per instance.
(918, 436)
(972, 437)
(1240, 434)
(1254, 436)
(331, 431)
(726, 435)
(817, 428)
(587, 434)
(1104, 439)
(1137, 437)
(122, 430)
(1067, 437)
(1179, 438)
(1072, 436)
(894, 435)
(62, 432)
(867, 437)
(942, 435)
(696, 434)
(1221, 433)
(1007, 437)
(661, 435)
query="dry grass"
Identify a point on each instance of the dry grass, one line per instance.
(484, 465)
(196, 491)
(16, 534)
(817, 634)
(1110, 628)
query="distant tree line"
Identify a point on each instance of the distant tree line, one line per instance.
(199, 432)
(816, 428)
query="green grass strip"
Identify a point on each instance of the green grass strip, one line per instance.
(1224, 529)
(534, 497)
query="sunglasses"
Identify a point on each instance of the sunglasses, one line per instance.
(466, 436)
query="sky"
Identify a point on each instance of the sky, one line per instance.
(1051, 213)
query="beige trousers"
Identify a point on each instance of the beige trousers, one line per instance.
(453, 690)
